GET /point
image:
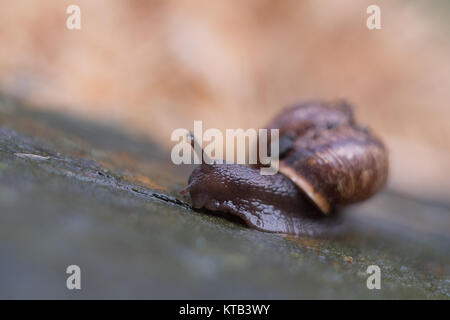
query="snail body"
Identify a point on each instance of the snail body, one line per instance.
(267, 203)
(326, 161)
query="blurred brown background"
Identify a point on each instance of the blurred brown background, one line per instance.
(153, 66)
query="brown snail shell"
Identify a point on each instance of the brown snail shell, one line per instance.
(337, 166)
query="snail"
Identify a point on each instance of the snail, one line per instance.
(327, 161)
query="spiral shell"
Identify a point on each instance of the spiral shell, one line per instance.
(337, 166)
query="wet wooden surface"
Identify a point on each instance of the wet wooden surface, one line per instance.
(73, 192)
